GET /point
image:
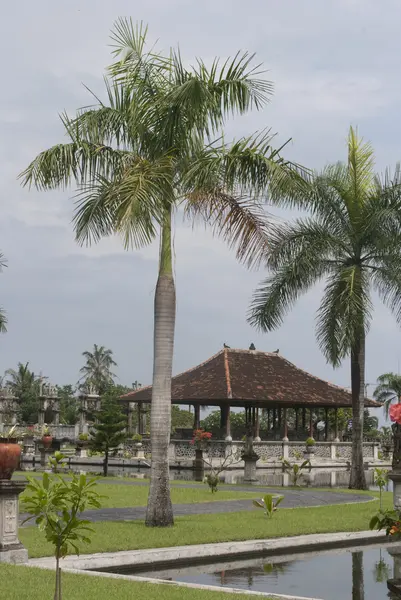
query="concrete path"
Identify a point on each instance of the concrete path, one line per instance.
(292, 499)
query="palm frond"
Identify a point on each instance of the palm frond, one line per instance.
(3, 321)
(360, 168)
(241, 223)
(77, 162)
(344, 313)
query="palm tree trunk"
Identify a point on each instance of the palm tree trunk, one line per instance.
(160, 511)
(357, 478)
(357, 576)
(106, 463)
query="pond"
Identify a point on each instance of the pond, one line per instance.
(318, 477)
(353, 574)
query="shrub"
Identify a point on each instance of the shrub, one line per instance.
(310, 441)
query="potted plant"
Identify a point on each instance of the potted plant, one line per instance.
(137, 439)
(310, 445)
(83, 440)
(10, 452)
(47, 437)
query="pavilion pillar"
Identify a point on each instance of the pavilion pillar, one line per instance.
(257, 426)
(326, 424)
(268, 421)
(196, 416)
(296, 420)
(311, 423)
(304, 419)
(274, 419)
(336, 439)
(285, 438)
(279, 420)
(227, 426)
(141, 419)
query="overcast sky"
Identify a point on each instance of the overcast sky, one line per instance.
(333, 63)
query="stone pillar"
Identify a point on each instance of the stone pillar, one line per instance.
(250, 468)
(42, 410)
(285, 438)
(326, 424)
(333, 451)
(296, 420)
(257, 426)
(227, 431)
(304, 418)
(11, 549)
(129, 420)
(286, 453)
(336, 439)
(311, 423)
(45, 454)
(395, 473)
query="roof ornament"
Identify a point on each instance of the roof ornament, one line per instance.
(277, 351)
(225, 345)
(252, 346)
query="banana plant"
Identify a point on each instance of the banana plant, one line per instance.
(269, 503)
(295, 471)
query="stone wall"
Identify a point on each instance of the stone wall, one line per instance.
(272, 451)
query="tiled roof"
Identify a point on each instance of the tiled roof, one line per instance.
(250, 376)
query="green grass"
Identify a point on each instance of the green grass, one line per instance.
(224, 527)
(23, 583)
(121, 496)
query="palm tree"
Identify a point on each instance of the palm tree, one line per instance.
(20, 380)
(150, 150)
(3, 318)
(24, 386)
(97, 370)
(388, 390)
(352, 239)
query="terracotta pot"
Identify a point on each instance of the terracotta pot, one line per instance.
(47, 441)
(10, 453)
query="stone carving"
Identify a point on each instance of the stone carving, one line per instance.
(10, 524)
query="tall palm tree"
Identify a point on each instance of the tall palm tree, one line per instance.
(3, 318)
(352, 239)
(20, 380)
(150, 150)
(97, 371)
(388, 390)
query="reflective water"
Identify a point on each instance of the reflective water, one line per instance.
(354, 574)
(318, 477)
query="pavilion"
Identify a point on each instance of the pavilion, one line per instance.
(255, 380)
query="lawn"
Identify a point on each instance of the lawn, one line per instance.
(205, 528)
(23, 583)
(121, 496)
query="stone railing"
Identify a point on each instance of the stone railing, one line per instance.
(274, 451)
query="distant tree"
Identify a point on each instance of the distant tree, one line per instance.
(25, 387)
(388, 390)
(97, 370)
(3, 318)
(109, 432)
(181, 418)
(69, 405)
(237, 423)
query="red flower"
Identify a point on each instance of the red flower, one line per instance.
(395, 413)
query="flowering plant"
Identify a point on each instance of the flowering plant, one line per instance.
(200, 437)
(390, 520)
(395, 413)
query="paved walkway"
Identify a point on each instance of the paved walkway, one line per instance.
(292, 499)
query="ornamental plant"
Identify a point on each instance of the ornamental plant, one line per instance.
(310, 441)
(381, 479)
(201, 437)
(295, 471)
(390, 520)
(269, 503)
(56, 506)
(395, 413)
